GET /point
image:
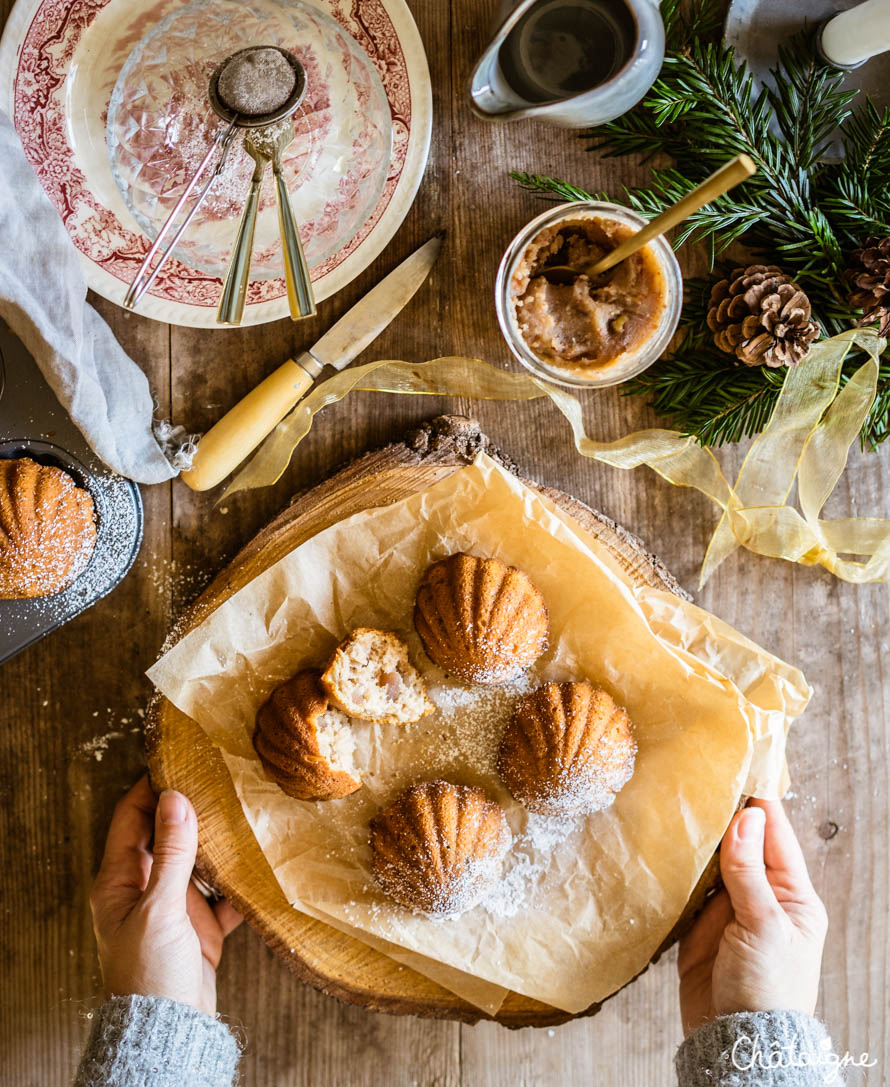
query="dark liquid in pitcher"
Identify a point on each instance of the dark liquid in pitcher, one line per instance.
(565, 47)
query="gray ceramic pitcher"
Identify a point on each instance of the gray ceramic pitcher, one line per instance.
(570, 62)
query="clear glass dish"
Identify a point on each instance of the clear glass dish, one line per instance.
(160, 125)
(626, 366)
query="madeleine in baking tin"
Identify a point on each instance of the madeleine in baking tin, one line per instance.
(47, 529)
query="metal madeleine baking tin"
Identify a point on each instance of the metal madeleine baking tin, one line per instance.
(34, 424)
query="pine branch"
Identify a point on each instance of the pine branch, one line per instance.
(809, 101)
(721, 222)
(705, 107)
(856, 208)
(797, 211)
(709, 394)
(854, 194)
(636, 133)
(877, 425)
(683, 22)
(704, 20)
(551, 187)
(867, 142)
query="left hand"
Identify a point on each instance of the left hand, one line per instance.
(157, 934)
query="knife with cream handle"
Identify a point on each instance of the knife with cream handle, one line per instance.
(241, 430)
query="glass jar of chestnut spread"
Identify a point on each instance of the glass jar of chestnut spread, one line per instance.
(589, 331)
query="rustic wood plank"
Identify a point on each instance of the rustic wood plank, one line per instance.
(70, 744)
(297, 1037)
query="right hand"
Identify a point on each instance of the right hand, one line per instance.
(757, 945)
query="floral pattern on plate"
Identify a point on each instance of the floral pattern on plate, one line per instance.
(60, 60)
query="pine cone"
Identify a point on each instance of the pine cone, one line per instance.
(760, 315)
(869, 273)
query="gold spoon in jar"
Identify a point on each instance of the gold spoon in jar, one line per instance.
(727, 177)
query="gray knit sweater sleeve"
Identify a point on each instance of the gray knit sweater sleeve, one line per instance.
(149, 1041)
(758, 1049)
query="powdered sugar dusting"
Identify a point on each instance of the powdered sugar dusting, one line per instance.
(527, 863)
(479, 880)
(474, 719)
(465, 735)
(110, 554)
(461, 745)
(47, 529)
(478, 883)
(440, 848)
(98, 745)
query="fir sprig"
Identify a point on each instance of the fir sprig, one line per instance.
(855, 196)
(718, 398)
(804, 209)
(710, 395)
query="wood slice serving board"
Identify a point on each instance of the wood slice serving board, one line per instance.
(182, 757)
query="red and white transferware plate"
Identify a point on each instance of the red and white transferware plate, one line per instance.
(68, 79)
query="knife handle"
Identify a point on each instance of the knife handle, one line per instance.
(241, 429)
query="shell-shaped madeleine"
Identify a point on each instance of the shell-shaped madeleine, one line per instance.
(296, 742)
(47, 529)
(439, 847)
(479, 619)
(567, 750)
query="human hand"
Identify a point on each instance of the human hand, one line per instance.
(757, 945)
(157, 935)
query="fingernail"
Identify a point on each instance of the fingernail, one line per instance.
(751, 824)
(171, 807)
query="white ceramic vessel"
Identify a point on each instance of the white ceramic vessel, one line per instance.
(495, 97)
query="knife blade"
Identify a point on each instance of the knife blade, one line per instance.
(241, 429)
(362, 324)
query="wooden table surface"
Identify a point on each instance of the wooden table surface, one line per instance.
(72, 706)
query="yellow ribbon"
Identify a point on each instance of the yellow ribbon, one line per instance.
(808, 440)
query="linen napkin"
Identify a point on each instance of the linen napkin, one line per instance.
(43, 300)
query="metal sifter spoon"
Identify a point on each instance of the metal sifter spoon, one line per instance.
(299, 286)
(300, 295)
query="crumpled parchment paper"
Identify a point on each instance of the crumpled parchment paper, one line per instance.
(583, 904)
